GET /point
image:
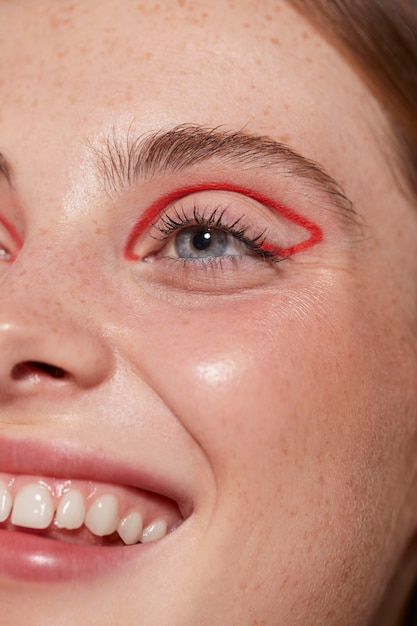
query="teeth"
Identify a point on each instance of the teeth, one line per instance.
(70, 513)
(130, 528)
(33, 507)
(6, 502)
(156, 530)
(103, 516)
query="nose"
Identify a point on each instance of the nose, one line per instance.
(48, 340)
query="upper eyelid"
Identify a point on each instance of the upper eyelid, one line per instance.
(123, 160)
(157, 208)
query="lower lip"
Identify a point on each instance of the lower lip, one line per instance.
(31, 558)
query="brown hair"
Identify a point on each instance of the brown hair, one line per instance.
(381, 39)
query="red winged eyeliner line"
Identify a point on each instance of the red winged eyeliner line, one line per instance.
(150, 215)
(14, 235)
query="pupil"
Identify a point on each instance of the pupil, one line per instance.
(202, 240)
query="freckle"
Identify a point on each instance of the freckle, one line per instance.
(268, 18)
(181, 3)
(243, 586)
(306, 35)
(274, 41)
(246, 25)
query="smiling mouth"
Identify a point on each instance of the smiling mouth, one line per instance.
(85, 512)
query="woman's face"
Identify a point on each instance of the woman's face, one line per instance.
(195, 323)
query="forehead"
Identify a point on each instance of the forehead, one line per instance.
(211, 52)
(71, 72)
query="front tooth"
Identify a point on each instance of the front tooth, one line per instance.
(103, 516)
(156, 530)
(130, 528)
(70, 513)
(6, 502)
(33, 507)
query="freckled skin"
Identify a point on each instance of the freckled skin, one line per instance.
(293, 404)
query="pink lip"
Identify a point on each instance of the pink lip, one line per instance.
(35, 559)
(29, 557)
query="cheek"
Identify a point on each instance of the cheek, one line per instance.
(292, 380)
(248, 374)
(286, 403)
(295, 397)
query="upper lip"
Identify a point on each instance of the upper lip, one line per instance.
(73, 461)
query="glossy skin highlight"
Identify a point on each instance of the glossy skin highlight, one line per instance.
(279, 399)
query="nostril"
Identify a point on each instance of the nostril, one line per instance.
(30, 369)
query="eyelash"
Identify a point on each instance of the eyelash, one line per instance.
(168, 225)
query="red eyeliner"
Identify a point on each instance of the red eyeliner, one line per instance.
(14, 235)
(150, 215)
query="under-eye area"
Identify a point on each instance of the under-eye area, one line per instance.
(85, 512)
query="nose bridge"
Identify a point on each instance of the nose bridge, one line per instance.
(34, 287)
(47, 325)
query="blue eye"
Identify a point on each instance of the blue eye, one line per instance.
(202, 242)
(204, 234)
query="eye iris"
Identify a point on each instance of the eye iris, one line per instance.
(198, 242)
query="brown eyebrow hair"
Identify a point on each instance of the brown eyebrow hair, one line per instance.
(122, 162)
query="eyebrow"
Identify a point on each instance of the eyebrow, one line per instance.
(124, 161)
